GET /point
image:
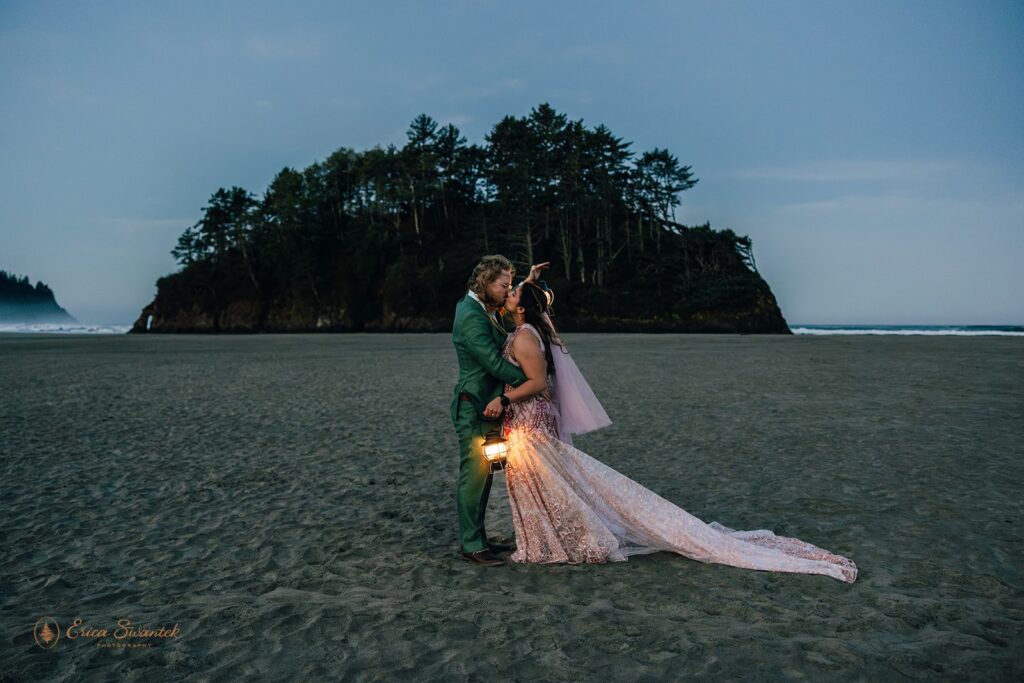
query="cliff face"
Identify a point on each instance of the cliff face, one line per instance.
(20, 302)
(760, 316)
(724, 295)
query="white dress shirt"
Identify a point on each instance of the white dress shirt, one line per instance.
(474, 297)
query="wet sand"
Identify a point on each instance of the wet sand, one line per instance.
(288, 502)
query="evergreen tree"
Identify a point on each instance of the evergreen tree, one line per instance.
(366, 238)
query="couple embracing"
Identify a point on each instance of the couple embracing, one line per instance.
(568, 507)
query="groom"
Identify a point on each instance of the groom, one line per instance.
(478, 335)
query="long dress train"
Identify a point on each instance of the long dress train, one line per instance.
(569, 507)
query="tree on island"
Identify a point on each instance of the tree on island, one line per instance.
(384, 239)
(20, 301)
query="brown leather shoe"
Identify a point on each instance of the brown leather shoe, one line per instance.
(501, 547)
(484, 558)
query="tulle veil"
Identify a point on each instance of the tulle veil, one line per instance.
(579, 411)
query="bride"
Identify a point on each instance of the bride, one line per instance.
(569, 507)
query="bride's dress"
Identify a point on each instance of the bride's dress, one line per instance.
(568, 507)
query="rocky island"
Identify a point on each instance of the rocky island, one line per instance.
(383, 240)
(21, 302)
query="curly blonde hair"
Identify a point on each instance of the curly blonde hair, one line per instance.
(487, 271)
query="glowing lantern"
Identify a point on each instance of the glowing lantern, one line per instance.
(495, 450)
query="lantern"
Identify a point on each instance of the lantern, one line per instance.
(495, 450)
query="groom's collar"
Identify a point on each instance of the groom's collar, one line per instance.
(472, 295)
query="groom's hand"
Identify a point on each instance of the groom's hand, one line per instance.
(493, 408)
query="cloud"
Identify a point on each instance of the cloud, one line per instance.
(60, 90)
(918, 209)
(283, 48)
(497, 87)
(582, 97)
(853, 171)
(146, 223)
(346, 102)
(429, 83)
(602, 53)
(456, 120)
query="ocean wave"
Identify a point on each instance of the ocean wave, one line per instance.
(57, 328)
(928, 330)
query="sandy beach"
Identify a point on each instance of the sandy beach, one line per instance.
(288, 503)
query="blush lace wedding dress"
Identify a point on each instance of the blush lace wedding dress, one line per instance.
(569, 507)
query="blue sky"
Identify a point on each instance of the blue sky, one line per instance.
(872, 150)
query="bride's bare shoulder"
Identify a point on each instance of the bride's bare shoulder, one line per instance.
(526, 342)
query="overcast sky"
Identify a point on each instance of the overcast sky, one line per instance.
(872, 150)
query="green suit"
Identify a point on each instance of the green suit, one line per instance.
(478, 338)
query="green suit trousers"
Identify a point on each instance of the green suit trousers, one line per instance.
(474, 486)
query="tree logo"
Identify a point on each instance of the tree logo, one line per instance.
(47, 632)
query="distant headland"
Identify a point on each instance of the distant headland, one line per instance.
(20, 302)
(384, 239)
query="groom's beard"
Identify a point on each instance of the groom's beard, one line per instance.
(491, 304)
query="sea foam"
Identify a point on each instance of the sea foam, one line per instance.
(58, 328)
(930, 330)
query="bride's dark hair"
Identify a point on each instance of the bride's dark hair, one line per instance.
(535, 304)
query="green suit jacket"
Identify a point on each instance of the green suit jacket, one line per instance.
(478, 339)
